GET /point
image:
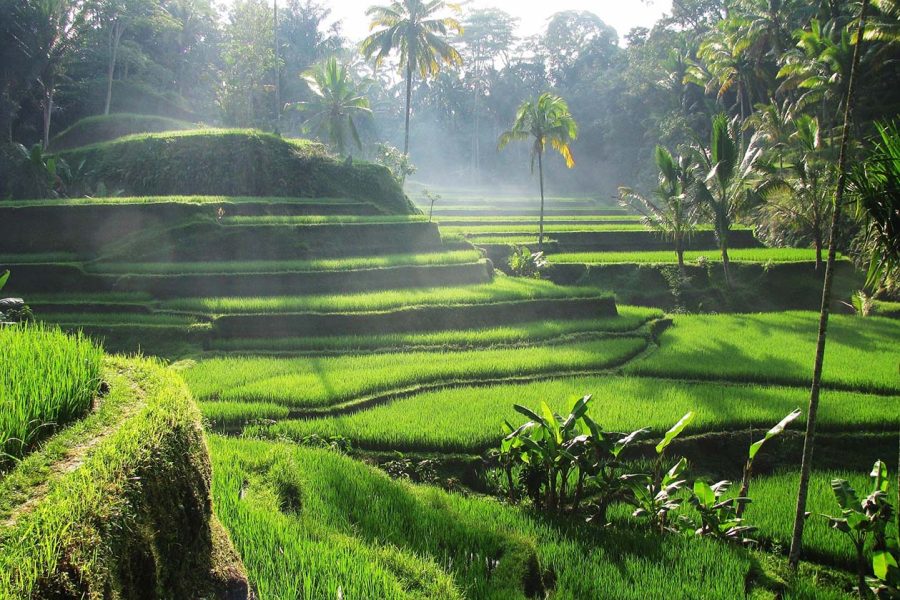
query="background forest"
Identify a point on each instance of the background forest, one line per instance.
(776, 68)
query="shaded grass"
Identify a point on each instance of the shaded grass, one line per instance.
(502, 289)
(762, 255)
(778, 348)
(317, 382)
(263, 266)
(773, 506)
(173, 199)
(47, 379)
(469, 419)
(630, 318)
(129, 319)
(323, 219)
(309, 523)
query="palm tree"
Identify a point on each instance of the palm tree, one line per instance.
(884, 26)
(337, 101)
(58, 28)
(724, 178)
(545, 120)
(825, 309)
(414, 29)
(797, 195)
(875, 185)
(672, 214)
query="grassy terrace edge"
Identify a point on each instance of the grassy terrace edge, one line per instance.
(130, 482)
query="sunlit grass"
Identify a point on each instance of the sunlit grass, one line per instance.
(311, 522)
(47, 379)
(778, 348)
(759, 255)
(629, 319)
(502, 289)
(262, 266)
(470, 418)
(316, 382)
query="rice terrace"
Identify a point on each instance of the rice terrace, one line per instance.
(411, 299)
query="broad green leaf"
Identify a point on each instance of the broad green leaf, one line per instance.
(675, 472)
(704, 493)
(3, 278)
(551, 422)
(777, 430)
(879, 475)
(674, 432)
(528, 413)
(845, 494)
(578, 410)
(882, 562)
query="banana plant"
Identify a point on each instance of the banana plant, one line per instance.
(599, 464)
(654, 495)
(4, 277)
(544, 445)
(869, 518)
(718, 518)
(754, 450)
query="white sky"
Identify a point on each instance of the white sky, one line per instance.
(620, 14)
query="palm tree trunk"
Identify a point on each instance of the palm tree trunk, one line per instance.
(409, 74)
(48, 114)
(679, 252)
(541, 221)
(809, 440)
(115, 36)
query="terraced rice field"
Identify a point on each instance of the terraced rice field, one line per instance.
(751, 255)
(278, 366)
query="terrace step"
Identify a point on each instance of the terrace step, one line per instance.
(424, 318)
(309, 282)
(628, 240)
(46, 278)
(492, 211)
(84, 228)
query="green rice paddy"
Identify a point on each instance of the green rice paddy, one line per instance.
(470, 419)
(324, 381)
(757, 255)
(47, 379)
(262, 266)
(777, 348)
(502, 289)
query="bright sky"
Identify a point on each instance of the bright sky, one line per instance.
(620, 14)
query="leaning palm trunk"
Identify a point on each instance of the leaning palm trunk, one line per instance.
(809, 440)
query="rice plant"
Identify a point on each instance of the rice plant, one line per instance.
(753, 255)
(778, 348)
(47, 379)
(502, 289)
(470, 419)
(317, 382)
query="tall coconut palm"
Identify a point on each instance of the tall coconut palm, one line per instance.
(416, 29)
(546, 120)
(725, 178)
(671, 212)
(56, 35)
(825, 309)
(337, 101)
(797, 191)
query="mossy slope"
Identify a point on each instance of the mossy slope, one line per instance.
(232, 162)
(102, 128)
(118, 505)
